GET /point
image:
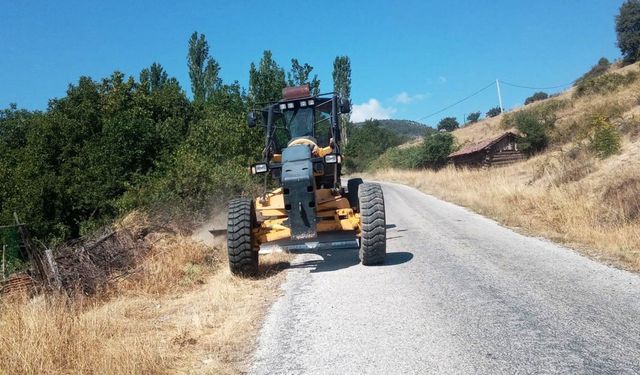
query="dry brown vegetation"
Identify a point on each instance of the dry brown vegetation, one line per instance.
(181, 311)
(567, 194)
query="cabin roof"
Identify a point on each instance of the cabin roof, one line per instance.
(479, 146)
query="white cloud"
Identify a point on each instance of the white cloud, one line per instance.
(405, 98)
(371, 110)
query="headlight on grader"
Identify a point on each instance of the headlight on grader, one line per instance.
(333, 159)
(259, 168)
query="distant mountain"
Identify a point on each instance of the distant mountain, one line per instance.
(404, 128)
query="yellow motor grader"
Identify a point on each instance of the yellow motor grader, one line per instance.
(302, 154)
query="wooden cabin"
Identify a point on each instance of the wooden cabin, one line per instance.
(497, 151)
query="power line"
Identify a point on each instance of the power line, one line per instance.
(536, 88)
(458, 102)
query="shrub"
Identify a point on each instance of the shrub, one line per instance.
(605, 84)
(474, 117)
(449, 124)
(604, 139)
(534, 124)
(367, 143)
(536, 97)
(493, 112)
(596, 71)
(534, 136)
(400, 158)
(436, 150)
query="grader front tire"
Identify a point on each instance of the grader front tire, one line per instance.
(373, 237)
(243, 258)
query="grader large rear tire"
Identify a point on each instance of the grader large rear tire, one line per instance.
(243, 258)
(373, 237)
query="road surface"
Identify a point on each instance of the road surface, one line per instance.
(459, 294)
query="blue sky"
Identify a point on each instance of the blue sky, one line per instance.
(409, 58)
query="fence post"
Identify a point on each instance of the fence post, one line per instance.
(4, 247)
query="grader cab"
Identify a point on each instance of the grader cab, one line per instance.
(310, 205)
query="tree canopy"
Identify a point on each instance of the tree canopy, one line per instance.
(203, 69)
(628, 30)
(121, 142)
(266, 81)
(493, 112)
(473, 117)
(342, 86)
(449, 124)
(299, 75)
(536, 97)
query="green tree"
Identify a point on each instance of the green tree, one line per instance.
(266, 81)
(493, 112)
(536, 97)
(628, 30)
(474, 117)
(534, 136)
(436, 150)
(299, 75)
(368, 142)
(203, 69)
(449, 124)
(153, 78)
(342, 86)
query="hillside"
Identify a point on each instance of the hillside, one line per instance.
(404, 128)
(572, 192)
(490, 127)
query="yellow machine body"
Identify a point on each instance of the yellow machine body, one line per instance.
(334, 213)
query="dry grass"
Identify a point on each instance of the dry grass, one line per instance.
(566, 194)
(589, 204)
(180, 312)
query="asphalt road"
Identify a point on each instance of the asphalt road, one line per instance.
(459, 294)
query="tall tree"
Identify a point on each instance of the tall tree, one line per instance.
(299, 75)
(153, 78)
(628, 30)
(342, 86)
(473, 117)
(203, 69)
(266, 81)
(449, 124)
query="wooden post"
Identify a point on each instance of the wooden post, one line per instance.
(35, 258)
(53, 267)
(4, 247)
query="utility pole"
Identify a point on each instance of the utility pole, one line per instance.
(499, 96)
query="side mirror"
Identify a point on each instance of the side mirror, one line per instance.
(251, 120)
(345, 105)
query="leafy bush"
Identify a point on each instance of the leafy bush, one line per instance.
(534, 133)
(628, 30)
(436, 150)
(536, 97)
(449, 124)
(604, 139)
(400, 158)
(367, 143)
(596, 71)
(605, 83)
(534, 124)
(474, 117)
(493, 112)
